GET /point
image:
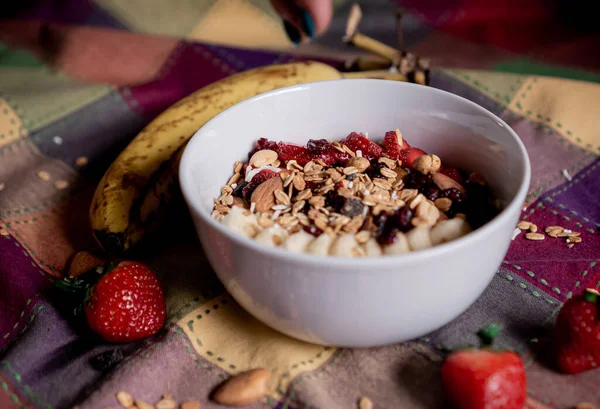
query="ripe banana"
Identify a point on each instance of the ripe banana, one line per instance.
(137, 184)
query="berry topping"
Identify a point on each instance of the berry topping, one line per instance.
(357, 142)
(256, 180)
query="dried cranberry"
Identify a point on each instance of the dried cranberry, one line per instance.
(453, 194)
(318, 146)
(323, 150)
(389, 235)
(369, 149)
(333, 200)
(263, 143)
(374, 171)
(315, 231)
(403, 216)
(352, 207)
(432, 193)
(379, 221)
(417, 180)
(260, 177)
(238, 191)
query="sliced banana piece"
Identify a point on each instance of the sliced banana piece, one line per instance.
(321, 245)
(298, 242)
(346, 246)
(400, 246)
(419, 238)
(273, 236)
(448, 230)
(372, 248)
(241, 223)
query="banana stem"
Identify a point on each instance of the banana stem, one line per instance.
(378, 74)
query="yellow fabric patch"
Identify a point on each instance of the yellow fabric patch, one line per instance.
(564, 105)
(11, 127)
(229, 337)
(498, 86)
(254, 28)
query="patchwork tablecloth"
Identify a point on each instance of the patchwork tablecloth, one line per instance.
(79, 79)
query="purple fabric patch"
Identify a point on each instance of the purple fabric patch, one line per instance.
(580, 196)
(64, 12)
(20, 281)
(550, 264)
(548, 153)
(185, 71)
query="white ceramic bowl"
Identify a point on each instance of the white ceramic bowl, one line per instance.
(348, 301)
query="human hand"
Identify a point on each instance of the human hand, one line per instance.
(304, 19)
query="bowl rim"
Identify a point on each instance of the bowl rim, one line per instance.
(324, 261)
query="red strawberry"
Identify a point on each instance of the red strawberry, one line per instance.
(413, 154)
(485, 378)
(578, 333)
(257, 180)
(369, 149)
(126, 304)
(392, 147)
(453, 173)
(323, 150)
(288, 152)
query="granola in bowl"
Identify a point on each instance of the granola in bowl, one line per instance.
(351, 198)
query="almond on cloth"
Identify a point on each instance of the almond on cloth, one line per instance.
(244, 388)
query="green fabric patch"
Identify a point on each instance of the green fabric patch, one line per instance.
(45, 95)
(149, 17)
(17, 58)
(528, 67)
(501, 87)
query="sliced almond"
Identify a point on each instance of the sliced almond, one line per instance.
(365, 403)
(524, 225)
(140, 404)
(81, 161)
(166, 404)
(399, 136)
(535, 236)
(262, 158)
(264, 196)
(533, 228)
(82, 262)
(244, 388)
(551, 228)
(190, 404)
(125, 399)
(45, 176)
